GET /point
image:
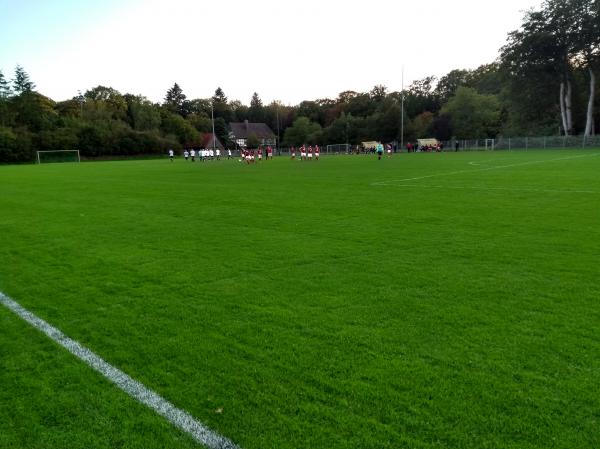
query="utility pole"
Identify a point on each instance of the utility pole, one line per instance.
(212, 116)
(277, 113)
(402, 114)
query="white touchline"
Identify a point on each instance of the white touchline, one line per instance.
(132, 387)
(495, 167)
(510, 189)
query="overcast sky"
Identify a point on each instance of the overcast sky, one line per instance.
(286, 51)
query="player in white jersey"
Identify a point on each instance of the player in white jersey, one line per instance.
(218, 154)
(171, 155)
(186, 155)
(193, 154)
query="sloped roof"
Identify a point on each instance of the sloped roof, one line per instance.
(244, 129)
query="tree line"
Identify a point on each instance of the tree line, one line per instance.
(542, 83)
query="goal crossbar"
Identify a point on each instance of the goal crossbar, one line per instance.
(39, 160)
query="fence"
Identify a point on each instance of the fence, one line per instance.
(524, 143)
(498, 144)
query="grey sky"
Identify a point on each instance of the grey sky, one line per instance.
(282, 50)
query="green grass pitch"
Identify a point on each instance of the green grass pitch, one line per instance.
(424, 301)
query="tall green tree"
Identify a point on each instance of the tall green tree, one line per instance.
(302, 131)
(473, 115)
(220, 106)
(5, 93)
(21, 82)
(174, 99)
(449, 83)
(256, 112)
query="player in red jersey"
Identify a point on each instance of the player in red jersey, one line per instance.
(310, 153)
(317, 151)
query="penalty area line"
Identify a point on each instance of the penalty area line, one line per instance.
(179, 418)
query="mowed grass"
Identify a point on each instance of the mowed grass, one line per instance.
(423, 301)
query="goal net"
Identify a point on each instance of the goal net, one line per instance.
(489, 144)
(339, 148)
(44, 157)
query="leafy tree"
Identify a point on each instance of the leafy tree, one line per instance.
(420, 97)
(300, 131)
(34, 111)
(378, 93)
(421, 125)
(360, 105)
(201, 122)
(346, 96)
(473, 115)
(143, 114)
(21, 82)
(175, 125)
(310, 110)
(448, 84)
(104, 104)
(8, 145)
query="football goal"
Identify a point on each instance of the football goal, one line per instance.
(489, 144)
(44, 157)
(340, 148)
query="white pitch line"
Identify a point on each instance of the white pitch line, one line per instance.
(510, 189)
(132, 387)
(495, 167)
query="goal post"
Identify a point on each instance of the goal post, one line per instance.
(490, 144)
(49, 156)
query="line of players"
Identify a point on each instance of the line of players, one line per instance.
(306, 153)
(203, 155)
(250, 156)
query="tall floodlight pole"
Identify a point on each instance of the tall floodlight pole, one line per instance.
(402, 114)
(277, 112)
(212, 116)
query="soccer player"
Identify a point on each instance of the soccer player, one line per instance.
(379, 150)
(303, 153)
(259, 153)
(269, 153)
(310, 153)
(193, 155)
(171, 154)
(228, 154)
(388, 149)
(218, 154)
(186, 154)
(317, 151)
